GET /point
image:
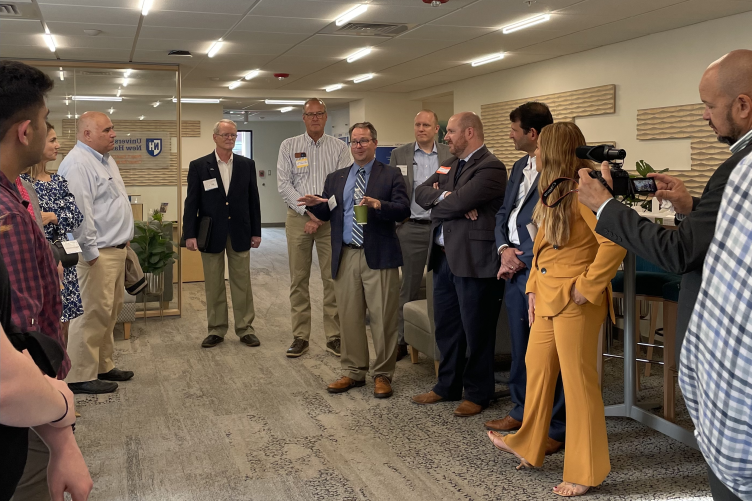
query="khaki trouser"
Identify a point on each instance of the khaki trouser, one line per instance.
(239, 264)
(300, 250)
(33, 483)
(357, 286)
(90, 341)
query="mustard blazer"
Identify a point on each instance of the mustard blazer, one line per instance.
(587, 260)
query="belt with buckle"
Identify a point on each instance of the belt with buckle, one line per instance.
(121, 246)
(353, 246)
(420, 221)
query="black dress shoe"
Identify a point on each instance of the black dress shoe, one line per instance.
(401, 351)
(211, 340)
(93, 387)
(116, 375)
(297, 348)
(250, 340)
(334, 346)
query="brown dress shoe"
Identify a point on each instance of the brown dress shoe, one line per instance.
(507, 423)
(467, 408)
(343, 384)
(552, 446)
(427, 398)
(382, 387)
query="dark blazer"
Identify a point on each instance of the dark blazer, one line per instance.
(679, 251)
(405, 155)
(379, 235)
(470, 245)
(523, 217)
(238, 213)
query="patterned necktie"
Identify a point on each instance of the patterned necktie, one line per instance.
(459, 170)
(360, 186)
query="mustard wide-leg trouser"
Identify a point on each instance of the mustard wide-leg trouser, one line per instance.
(566, 342)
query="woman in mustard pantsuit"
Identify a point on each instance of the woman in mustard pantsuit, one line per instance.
(569, 295)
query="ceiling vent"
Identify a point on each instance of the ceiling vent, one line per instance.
(10, 10)
(373, 29)
(180, 53)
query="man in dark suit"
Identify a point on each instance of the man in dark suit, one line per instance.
(464, 197)
(515, 247)
(365, 258)
(222, 186)
(417, 161)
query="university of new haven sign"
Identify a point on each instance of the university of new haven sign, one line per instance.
(142, 150)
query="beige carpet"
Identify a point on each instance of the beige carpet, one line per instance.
(239, 423)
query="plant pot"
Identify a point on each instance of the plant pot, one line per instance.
(154, 283)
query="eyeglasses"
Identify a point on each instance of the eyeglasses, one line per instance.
(228, 136)
(361, 142)
(317, 114)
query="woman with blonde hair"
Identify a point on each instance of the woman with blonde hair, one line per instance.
(569, 295)
(60, 216)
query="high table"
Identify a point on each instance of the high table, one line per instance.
(630, 408)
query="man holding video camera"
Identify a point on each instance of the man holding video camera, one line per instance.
(726, 91)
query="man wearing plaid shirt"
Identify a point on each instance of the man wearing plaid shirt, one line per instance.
(715, 374)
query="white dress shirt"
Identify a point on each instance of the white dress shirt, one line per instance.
(528, 178)
(94, 179)
(439, 238)
(225, 170)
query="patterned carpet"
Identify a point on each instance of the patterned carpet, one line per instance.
(239, 423)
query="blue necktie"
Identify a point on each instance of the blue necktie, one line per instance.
(360, 184)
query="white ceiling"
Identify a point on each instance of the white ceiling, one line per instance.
(294, 36)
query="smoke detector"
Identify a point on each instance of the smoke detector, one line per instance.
(281, 76)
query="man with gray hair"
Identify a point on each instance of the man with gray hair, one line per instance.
(223, 217)
(302, 166)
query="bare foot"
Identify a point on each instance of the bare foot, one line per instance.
(568, 489)
(498, 440)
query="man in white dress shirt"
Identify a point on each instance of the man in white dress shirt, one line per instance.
(94, 179)
(303, 164)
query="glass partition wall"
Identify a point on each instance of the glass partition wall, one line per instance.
(143, 103)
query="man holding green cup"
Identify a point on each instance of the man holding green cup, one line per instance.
(364, 202)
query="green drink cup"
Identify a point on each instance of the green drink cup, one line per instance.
(361, 214)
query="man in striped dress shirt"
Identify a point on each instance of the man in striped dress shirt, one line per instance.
(303, 164)
(715, 374)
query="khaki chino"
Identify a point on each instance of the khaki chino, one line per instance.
(300, 251)
(357, 286)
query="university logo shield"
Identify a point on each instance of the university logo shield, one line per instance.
(154, 146)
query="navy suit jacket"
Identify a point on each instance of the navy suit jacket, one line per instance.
(523, 217)
(237, 213)
(380, 241)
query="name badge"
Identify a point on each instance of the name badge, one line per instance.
(332, 203)
(71, 247)
(210, 184)
(301, 163)
(403, 169)
(444, 170)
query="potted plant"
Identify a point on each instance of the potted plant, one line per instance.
(643, 169)
(155, 251)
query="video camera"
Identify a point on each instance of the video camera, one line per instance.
(624, 185)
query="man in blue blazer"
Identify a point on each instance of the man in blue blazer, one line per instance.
(365, 258)
(515, 248)
(222, 186)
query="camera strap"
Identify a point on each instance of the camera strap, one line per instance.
(551, 187)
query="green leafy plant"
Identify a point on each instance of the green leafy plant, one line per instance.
(643, 169)
(154, 251)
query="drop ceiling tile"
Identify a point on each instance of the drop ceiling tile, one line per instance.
(193, 34)
(495, 13)
(77, 29)
(254, 49)
(124, 4)
(344, 42)
(191, 20)
(436, 32)
(104, 15)
(223, 7)
(25, 51)
(266, 37)
(84, 42)
(9, 27)
(95, 54)
(310, 9)
(281, 24)
(164, 45)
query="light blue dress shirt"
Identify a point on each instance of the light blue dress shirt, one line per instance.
(424, 165)
(439, 238)
(347, 198)
(94, 179)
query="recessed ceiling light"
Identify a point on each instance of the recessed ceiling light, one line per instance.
(69, 115)
(284, 101)
(286, 109)
(111, 110)
(125, 82)
(195, 100)
(488, 59)
(156, 104)
(251, 74)
(215, 48)
(357, 55)
(145, 7)
(67, 102)
(234, 85)
(49, 41)
(62, 74)
(127, 73)
(334, 87)
(363, 78)
(351, 14)
(526, 23)
(97, 98)
(141, 117)
(118, 92)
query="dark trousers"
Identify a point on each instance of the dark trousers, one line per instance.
(719, 490)
(465, 313)
(519, 332)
